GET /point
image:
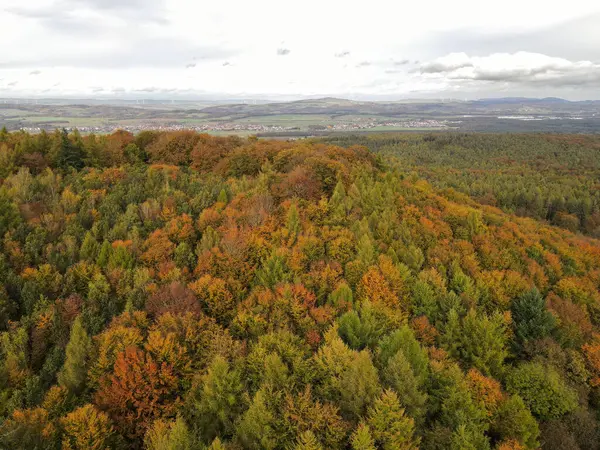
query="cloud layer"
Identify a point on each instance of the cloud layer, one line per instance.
(174, 47)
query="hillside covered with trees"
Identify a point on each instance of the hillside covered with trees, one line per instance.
(554, 178)
(173, 290)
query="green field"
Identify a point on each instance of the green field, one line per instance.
(392, 128)
(59, 121)
(289, 120)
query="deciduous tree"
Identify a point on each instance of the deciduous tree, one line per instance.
(87, 428)
(138, 392)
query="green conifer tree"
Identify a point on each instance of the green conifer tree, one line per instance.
(223, 198)
(104, 254)
(89, 247)
(399, 376)
(531, 318)
(68, 154)
(359, 385)
(272, 272)
(391, 429)
(171, 436)
(342, 295)
(308, 441)
(74, 372)
(293, 224)
(214, 403)
(362, 439)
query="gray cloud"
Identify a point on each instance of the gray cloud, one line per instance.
(37, 13)
(13, 83)
(443, 65)
(147, 89)
(137, 53)
(154, 89)
(573, 80)
(363, 64)
(190, 65)
(575, 39)
(283, 51)
(226, 63)
(62, 15)
(402, 63)
(342, 54)
(117, 5)
(35, 72)
(59, 20)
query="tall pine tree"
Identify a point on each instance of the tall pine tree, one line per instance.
(73, 374)
(68, 155)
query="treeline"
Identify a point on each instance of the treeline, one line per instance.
(181, 291)
(61, 150)
(555, 178)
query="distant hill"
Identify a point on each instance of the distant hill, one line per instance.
(337, 106)
(489, 114)
(521, 100)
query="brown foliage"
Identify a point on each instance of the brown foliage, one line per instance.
(138, 392)
(424, 331)
(485, 390)
(173, 147)
(592, 355)
(180, 228)
(299, 183)
(209, 150)
(36, 162)
(573, 321)
(158, 248)
(32, 212)
(510, 444)
(40, 339)
(173, 298)
(69, 308)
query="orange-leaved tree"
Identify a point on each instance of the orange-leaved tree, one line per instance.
(138, 392)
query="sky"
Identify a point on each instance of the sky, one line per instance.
(380, 49)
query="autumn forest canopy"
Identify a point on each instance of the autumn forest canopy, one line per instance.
(175, 290)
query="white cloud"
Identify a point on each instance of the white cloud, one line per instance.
(520, 68)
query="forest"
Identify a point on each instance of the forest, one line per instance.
(179, 291)
(555, 178)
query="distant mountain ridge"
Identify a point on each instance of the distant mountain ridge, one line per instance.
(513, 100)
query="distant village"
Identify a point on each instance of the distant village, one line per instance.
(233, 127)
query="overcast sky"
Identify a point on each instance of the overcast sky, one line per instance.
(277, 49)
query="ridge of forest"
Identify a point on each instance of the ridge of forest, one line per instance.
(174, 290)
(550, 177)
